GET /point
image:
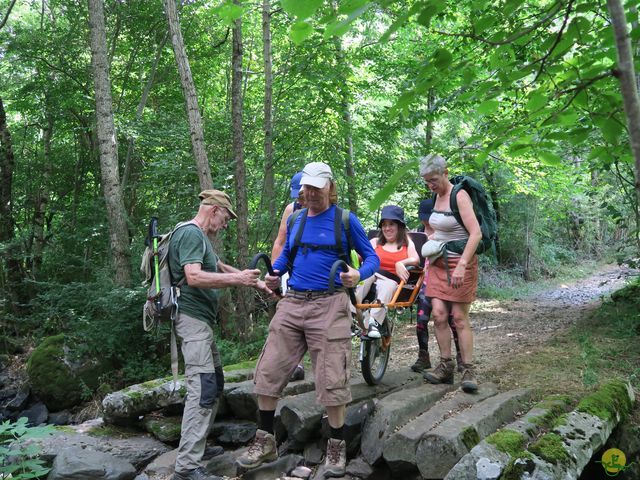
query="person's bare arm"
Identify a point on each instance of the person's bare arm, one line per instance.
(281, 238)
(198, 278)
(465, 207)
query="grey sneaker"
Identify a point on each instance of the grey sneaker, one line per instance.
(263, 449)
(469, 383)
(196, 474)
(335, 463)
(443, 373)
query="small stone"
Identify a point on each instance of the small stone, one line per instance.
(488, 470)
(301, 472)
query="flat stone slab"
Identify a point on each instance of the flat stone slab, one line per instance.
(396, 410)
(441, 448)
(300, 416)
(77, 463)
(243, 403)
(400, 449)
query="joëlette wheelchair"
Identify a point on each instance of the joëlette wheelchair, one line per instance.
(375, 352)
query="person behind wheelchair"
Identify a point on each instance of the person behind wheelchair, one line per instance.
(396, 252)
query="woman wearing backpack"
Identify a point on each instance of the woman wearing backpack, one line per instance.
(452, 285)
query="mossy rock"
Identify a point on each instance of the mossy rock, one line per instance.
(165, 429)
(52, 378)
(507, 441)
(608, 402)
(550, 448)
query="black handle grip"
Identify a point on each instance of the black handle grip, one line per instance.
(342, 265)
(267, 262)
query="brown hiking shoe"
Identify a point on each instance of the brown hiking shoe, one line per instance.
(443, 373)
(459, 362)
(422, 363)
(335, 464)
(263, 449)
(469, 383)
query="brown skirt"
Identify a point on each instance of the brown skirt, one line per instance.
(439, 287)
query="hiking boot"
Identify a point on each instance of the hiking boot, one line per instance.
(298, 374)
(459, 362)
(469, 383)
(443, 373)
(335, 463)
(422, 363)
(373, 331)
(195, 474)
(262, 449)
(212, 451)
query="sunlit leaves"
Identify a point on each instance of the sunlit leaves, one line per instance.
(381, 195)
(229, 12)
(301, 9)
(299, 32)
(487, 107)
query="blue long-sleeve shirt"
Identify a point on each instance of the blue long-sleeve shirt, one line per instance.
(311, 267)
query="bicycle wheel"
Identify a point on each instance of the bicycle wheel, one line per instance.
(375, 359)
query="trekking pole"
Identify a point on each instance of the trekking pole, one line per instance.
(342, 265)
(153, 238)
(267, 262)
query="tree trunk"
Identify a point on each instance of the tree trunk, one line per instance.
(244, 296)
(428, 129)
(268, 197)
(347, 128)
(196, 132)
(628, 86)
(11, 278)
(107, 146)
(42, 198)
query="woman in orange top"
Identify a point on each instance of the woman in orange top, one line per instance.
(396, 252)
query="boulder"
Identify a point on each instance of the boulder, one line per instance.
(59, 418)
(165, 429)
(138, 450)
(36, 415)
(57, 377)
(268, 471)
(78, 463)
(20, 400)
(233, 432)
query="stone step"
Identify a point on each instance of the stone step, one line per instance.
(489, 458)
(299, 417)
(394, 411)
(399, 450)
(441, 448)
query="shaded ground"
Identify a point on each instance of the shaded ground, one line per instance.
(516, 340)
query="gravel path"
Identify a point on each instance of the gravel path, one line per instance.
(501, 327)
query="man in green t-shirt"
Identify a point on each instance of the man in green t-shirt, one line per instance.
(193, 261)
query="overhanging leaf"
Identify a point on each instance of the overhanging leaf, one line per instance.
(299, 32)
(301, 8)
(550, 158)
(381, 195)
(487, 107)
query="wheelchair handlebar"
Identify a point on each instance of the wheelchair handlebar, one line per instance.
(267, 262)
(342, 265)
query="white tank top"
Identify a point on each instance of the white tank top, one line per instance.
(446, 227)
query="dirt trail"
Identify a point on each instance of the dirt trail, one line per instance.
(502, 327)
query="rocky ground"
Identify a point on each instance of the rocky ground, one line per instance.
(506, 328)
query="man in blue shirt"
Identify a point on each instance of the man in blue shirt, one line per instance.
(309, 318)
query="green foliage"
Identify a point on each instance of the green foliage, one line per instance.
(507, 441)
(19, 459)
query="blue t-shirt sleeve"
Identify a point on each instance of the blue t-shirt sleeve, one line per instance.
(370, 261)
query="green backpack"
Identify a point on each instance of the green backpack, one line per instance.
(483, 209)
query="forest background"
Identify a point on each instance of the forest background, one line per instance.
(112, 112)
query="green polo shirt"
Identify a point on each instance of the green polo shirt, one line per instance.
(190, 245)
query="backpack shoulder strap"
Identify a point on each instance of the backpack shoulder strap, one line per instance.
(453, 198)
(342, 217)
(302, 213)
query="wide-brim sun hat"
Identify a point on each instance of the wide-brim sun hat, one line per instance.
(295, 185)
(425, 209)
(392, 212)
